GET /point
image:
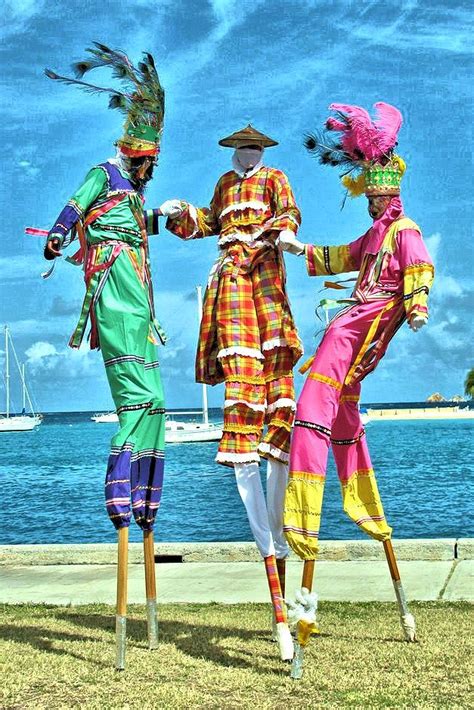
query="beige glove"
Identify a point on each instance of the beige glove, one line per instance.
(171, 208)
(288, 242)
(417, 322)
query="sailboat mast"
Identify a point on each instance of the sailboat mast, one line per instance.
(23, 388)
(7, 374)
(205, 410)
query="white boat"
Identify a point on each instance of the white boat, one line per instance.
(17, 422)
(177, 431)
(105, 418)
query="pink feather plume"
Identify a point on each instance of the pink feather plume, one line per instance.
(363, 136)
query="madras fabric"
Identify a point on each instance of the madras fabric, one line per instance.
(247, 337)
(242, 209)
(279, 608)
(245, 282)
(256, 362)
(136, 462)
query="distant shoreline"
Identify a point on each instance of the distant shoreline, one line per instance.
(453, 412)
(377, 406)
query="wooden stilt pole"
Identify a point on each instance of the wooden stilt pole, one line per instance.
(121, 613)
(308, 573)
(406, 619)
(150, 586)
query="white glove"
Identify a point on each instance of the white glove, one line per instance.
(289, 242)
(171, 208)
(417, 322)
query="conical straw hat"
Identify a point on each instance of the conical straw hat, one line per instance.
(247, 135)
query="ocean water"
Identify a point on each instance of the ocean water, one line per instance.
(52, 482)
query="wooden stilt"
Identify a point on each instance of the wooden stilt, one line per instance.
(150, 586)
(406, 619)
(121, 613)
(308, 573)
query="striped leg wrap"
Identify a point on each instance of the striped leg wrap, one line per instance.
(275, 589)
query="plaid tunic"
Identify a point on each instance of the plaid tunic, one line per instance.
(248, 338)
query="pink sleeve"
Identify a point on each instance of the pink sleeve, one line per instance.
(412, 249)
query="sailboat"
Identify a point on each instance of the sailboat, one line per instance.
(16, 422)
(176, 430)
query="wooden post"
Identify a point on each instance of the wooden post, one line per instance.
(308, 572)
(150, 586)
(121, 612)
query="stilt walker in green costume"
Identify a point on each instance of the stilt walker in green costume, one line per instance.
(107, 215)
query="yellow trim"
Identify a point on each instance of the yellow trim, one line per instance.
(359, 472)
(389, 239)
(327, 380)
(280, 423)
(242, 428)
(349, 398)
(308, 476)
(250, 380)
(417, 268)
(306, 365)
(273, 376)
(368, 339)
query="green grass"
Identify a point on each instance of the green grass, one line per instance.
(218, 656)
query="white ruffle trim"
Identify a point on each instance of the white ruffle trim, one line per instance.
(238, 350)
(280, 403)
(274, 343)
(224, 457)
(256, 407)
(251, 239)
(265, 448)
(240, 206)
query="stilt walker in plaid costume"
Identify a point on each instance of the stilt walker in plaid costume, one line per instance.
(249, 341)
(107, 215)
(395, 275)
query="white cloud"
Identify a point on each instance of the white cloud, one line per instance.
(44, 357)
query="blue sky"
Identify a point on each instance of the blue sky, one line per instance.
(225, 63)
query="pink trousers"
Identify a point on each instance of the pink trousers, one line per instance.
(327, 413)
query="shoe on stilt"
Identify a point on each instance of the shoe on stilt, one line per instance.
(285, 641)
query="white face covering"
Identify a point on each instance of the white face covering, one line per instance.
(248, 157)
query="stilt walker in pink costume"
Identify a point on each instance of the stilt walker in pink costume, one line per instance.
(249, 341)
(395, 275)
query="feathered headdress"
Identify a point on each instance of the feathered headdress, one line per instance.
(142, 99)
(363, 148)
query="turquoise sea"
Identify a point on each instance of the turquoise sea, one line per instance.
(52, 482)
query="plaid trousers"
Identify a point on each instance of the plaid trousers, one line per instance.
(256, 353)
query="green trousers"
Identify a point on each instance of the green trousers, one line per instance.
(135, 468)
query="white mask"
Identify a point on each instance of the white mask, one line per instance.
(248, 157)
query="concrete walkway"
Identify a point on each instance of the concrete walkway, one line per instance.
(231, 573)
